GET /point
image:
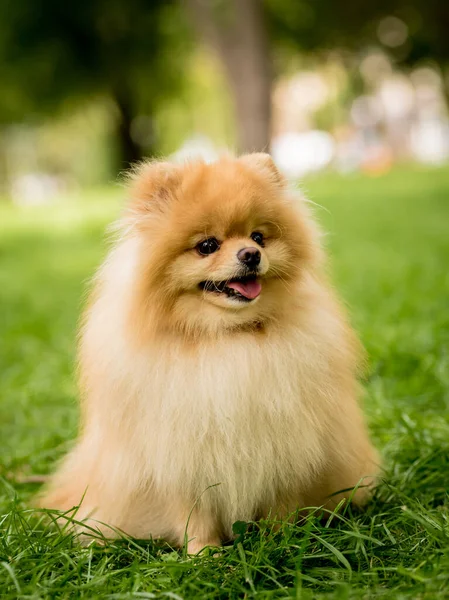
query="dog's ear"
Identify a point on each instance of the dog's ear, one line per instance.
(262, 162)
(152, 186)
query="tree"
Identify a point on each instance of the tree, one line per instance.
(320, 25)
(132, 51)
(236, 30)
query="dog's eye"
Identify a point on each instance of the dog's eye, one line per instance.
(208, 246)
(258, 238)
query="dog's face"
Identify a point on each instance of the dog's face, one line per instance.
(222, 243)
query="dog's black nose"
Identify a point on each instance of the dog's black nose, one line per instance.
(250, 257)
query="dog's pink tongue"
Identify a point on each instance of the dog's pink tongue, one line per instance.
(250, 289)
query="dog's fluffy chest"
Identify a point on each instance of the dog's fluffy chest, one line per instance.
(240, 416)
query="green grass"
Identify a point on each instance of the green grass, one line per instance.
(389, 242)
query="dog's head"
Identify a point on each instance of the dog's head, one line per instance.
(222, 245)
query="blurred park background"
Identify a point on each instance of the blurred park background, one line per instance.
(89, 87)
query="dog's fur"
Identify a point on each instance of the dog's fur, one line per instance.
(184, 388)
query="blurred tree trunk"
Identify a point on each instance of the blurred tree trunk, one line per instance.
(235, 29)
(128, 150)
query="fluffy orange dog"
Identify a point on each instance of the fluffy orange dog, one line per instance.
(213, 352)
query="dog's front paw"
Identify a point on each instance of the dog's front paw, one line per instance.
(197, 545)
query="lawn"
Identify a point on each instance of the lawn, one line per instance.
(389, 243)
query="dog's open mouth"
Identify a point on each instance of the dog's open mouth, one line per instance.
(244, 289)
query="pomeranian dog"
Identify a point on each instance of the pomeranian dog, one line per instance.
(218, 373)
